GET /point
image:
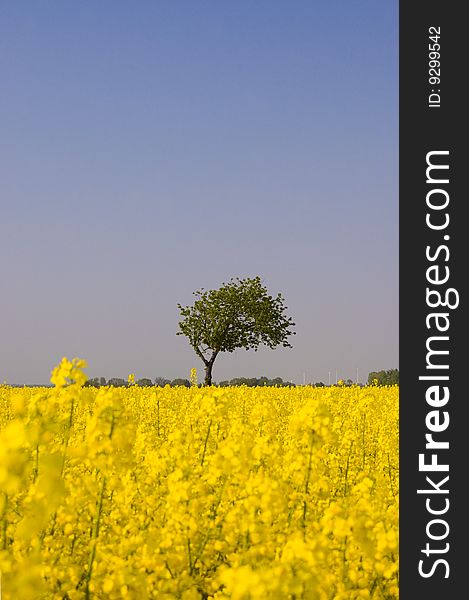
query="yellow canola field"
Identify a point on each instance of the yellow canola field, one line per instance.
(198, 493)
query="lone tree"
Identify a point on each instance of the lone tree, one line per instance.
(241, 314)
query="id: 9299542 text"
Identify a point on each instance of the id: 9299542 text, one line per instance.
(434, 46)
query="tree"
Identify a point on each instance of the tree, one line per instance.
(117, 382)
(144, 382)
(96, 382)
(389, 377)
(93, 382)
(241, 314)
(161, 381)
(180, 381)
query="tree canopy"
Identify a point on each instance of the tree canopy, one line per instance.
(240, 314)
(389, 377)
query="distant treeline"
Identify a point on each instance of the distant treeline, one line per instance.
(255, 381)
(161, 382)
(389, 377)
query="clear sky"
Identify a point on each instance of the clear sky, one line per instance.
(151, 148)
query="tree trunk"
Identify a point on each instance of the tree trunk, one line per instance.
(208, 373)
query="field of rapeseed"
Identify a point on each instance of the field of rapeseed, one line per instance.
(243, 493)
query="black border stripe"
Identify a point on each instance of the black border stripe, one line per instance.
(423, 129)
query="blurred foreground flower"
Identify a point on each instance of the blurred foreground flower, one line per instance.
(69, 372)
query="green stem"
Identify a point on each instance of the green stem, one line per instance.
(36, 465)
(207, 535)
(169, 569)
(62, 469)
(347, 468)
(189, 554)
(310, 460)
(308, 475)
(205, 443)
(113, 424)
(94, 540)
(390, 476)
(344, 559)
(158, 416)
(4, 523)
(363, 442)
(67, 438)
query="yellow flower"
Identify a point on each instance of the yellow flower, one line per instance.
(69, 372)
(234, 493)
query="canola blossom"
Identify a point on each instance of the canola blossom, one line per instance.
(198, 493)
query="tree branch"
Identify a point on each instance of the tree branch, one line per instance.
(213, 357)
(199, 353)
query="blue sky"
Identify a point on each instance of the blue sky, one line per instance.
(152, 148)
